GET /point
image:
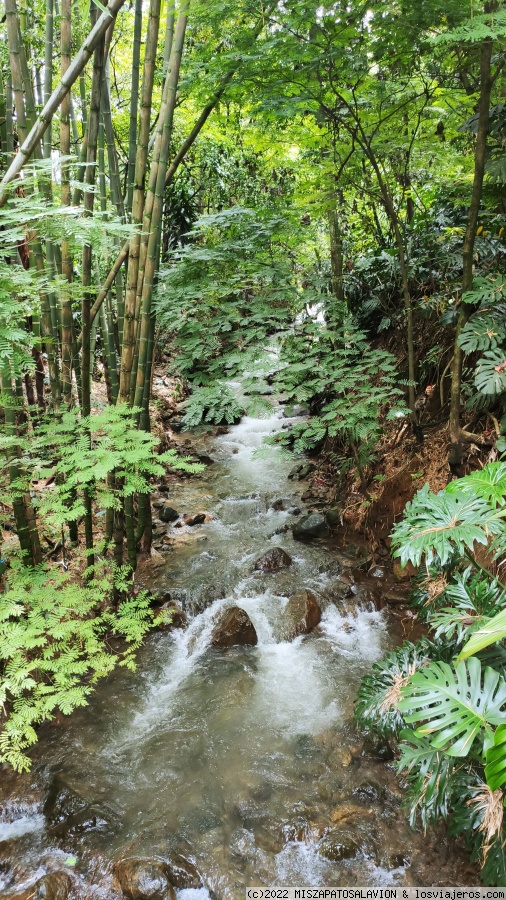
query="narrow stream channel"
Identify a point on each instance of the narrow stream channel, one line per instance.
(239, 759)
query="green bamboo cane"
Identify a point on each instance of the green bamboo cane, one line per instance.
(129, 323)
(48, 69)
(26, 527)
(134, 105)
(153, 246)
(44, 119)
(66, 199)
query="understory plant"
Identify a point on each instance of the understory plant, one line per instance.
(347, 385)
(55, 644)
(444, 698)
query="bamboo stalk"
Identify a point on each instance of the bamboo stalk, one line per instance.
(21, 502)
(153, 246)
(129, 324)
(44, 119)
(67, 263)
(134, 104)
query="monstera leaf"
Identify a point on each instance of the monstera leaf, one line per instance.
(453, 706)
(482, 332)
(434, 526)
(492, 631)
(490, 377)
(495, 769)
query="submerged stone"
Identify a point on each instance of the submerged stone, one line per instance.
(182, 873)
(62, 802)
(53, 886)
(144, 878)
(234, 628)
(339, 843)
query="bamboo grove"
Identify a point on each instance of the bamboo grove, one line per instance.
(57, 131)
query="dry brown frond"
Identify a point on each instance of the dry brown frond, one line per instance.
(491, 804)
(434, 587)
(393, 694)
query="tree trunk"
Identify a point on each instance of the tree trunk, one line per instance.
(458, 436)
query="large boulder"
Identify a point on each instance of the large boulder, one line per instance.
(144, 878)
(234, 628)
(301, 614)
(311, 526)
(168, 513)
(53, 886)
(273, 561)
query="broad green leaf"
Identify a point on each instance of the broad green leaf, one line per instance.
(490, 376)
(494, 630)
(453, 705)
(495, 769)
(488, 483)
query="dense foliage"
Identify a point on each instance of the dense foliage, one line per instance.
(321, 182)
(445, 698)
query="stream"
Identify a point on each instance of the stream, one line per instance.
(241, 759)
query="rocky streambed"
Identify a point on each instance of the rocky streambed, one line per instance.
(230, 757)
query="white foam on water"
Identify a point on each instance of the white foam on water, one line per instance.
(193, 894)
(292, 692)
(24, 825)
(384, 877)
(187, 648)
(300, 863)
(361, 635)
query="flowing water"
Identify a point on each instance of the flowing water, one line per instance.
(239, 759)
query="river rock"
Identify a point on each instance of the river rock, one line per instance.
(370, 791)
(280, 504)
(182, 873)
(173, 615)
(294, 471)
(301, 614)
(234, 628)
(273, 561)
(53, 886)
(197, 519)
(62, 802)
(402, 573)
(311, 526)
(339, 843)
(92, 818)
(168, 513)
(144, 878)
(333, 517)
